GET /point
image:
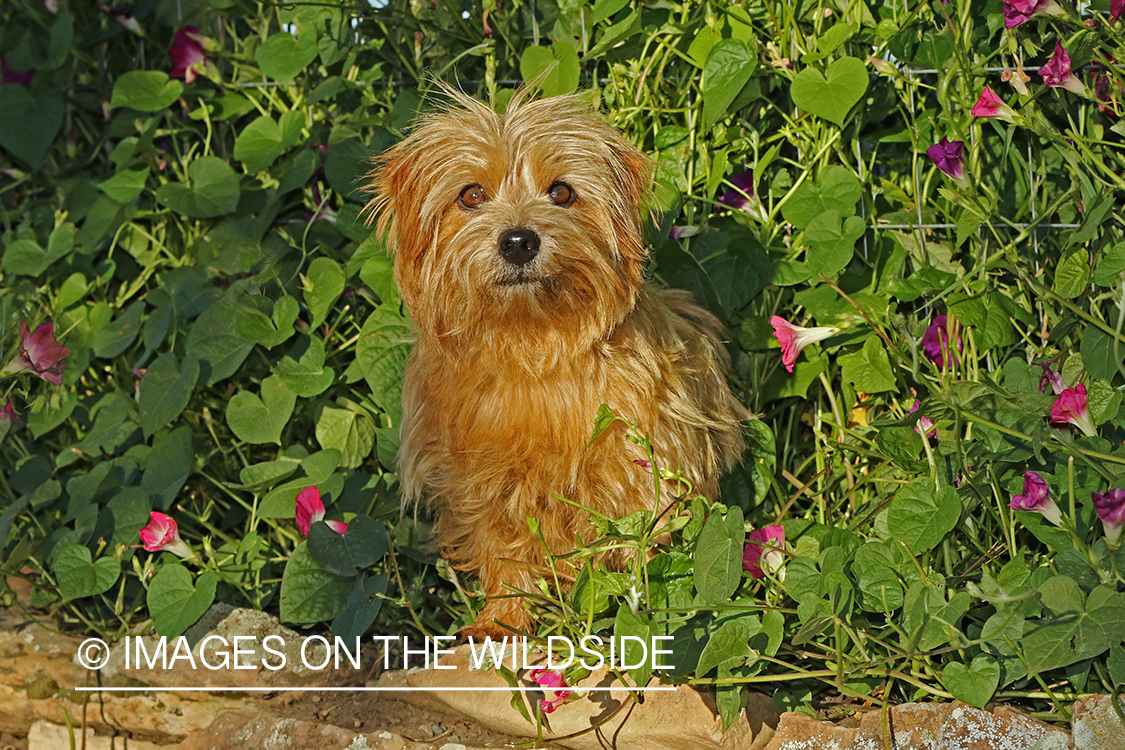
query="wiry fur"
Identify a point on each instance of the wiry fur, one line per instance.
(508, 371)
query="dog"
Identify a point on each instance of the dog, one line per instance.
(519, 255)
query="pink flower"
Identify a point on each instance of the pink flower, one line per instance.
(990, 105)
(187, 54)
(321, 208)
(123, 16)
(1036, 496)
(935, 343)
(795, 338)
(1110, 506)
(7, 419)
(39, 353)
(1116, 8)
(7, 75)
(1070, 408)
(162, 535)
(310, 509)
(1057, 72)
(554, 681)
(679, 233)
(924, 426)
(1018, 11)
(1050, 378)
(764, 551)
(946, 156)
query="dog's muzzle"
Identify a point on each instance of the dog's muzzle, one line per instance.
(519, 246)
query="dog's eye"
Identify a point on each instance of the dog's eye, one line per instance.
(561, 194)
(473, 196)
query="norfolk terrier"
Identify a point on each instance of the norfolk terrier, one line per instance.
(518, 251)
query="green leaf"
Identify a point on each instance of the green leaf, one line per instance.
(1073, 274)
(730, 63)
(261, 420)
(378, 272)
(602, 420)
(265, 139)
(362, 546)
(381, 354)
(309, 593)
(836, 189)
(175, 603)
(361, 608)
(25, 257)
(168, 466)
(1111, 266)
(973, 684)
(79, 576)
(348, 431)
(634, 654)
(921, 514)
(115, 338)
(306, 376)
(214, 338)
(604, 9)
(146, 90)
(832, 243)
(1101, 354)
(165, 390)
(739, 276)
(262, 476)
(832, 94)
(269, 331)
(282, 56)
(213, 191)
(1073, 629)
(729, 644)
(32, 117)
(869, 369)
(718, 556)
(323, 286)
(1103, 401)
(555, 70)
(126, 185)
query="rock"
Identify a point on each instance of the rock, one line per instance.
(679, 719)
(923, 726)
(1096, 726)
(47, 736)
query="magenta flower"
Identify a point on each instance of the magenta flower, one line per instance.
(1116, 8)
(679, 233)
(124, 16)
(310, 509)
(39, 353)
(188, 58)
(935, 343)
(7, 419)
(1036, 496)
(764, 552)
(163, 535)
(1057, 72)
(321, 208)
(924, 426)
(795, 338)
(741, 195)
(1070, 408)
(1050, 378)
(990, 105)
(946, 156)
(1018, 11)
(7, 75)
(554, 681)
(1110, 506)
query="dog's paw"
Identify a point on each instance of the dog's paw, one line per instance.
(478, 631)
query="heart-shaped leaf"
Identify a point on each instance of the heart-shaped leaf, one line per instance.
(283, 56)
(264, 140)
(973, 684)
(381, 355)
(309, 593)
(832, 243)
(831, 95)
(30, 122)
(363, 606)
(555, 70)
(175, 602)
(261, 420)
(80, 576)
(165, 390)
(729, 66)
(146, 90)
(213, 192)
(348, 431)
(361, 547)
(324, 283)
(306, 375)
(836, 189)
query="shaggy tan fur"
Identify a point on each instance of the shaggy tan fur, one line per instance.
(511, 362)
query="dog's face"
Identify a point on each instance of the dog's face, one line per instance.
(522, 222)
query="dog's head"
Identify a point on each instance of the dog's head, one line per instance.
(528, 220)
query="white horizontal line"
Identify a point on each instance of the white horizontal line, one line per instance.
(441, 689)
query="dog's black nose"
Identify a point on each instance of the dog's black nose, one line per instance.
(519, 246)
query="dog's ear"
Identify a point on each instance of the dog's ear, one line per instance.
(632, 174)
(399, 193)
